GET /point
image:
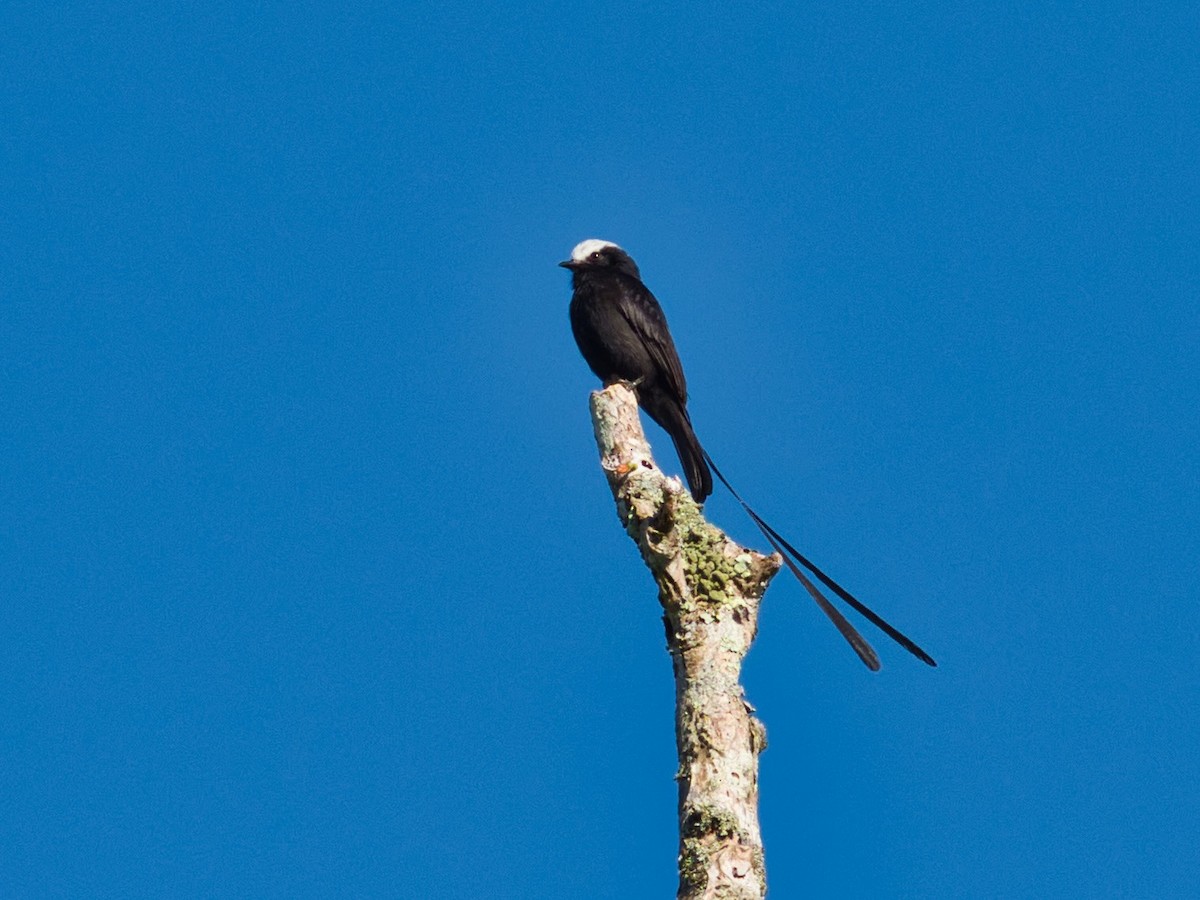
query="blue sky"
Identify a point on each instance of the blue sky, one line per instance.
(311, 584)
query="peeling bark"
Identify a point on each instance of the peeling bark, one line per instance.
(710, 589)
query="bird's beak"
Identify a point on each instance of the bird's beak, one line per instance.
(568, 264)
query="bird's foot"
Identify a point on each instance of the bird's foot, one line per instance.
(632, 385)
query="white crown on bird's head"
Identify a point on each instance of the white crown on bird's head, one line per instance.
(584, 249)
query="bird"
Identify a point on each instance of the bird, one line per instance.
(622, 334)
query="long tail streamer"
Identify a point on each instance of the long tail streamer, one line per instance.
(795, 559)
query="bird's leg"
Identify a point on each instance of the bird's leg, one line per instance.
(632, 385)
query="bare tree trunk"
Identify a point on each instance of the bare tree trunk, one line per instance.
(710, 589)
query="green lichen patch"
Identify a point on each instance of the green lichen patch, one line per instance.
(712, 573)
(704, 829)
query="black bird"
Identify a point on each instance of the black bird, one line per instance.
(623, 336)
(622, 333)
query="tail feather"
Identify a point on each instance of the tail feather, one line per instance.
(673, 418)
(671, 414)
(691, 454)
(864, 650)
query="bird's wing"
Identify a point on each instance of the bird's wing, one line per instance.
(644, 315)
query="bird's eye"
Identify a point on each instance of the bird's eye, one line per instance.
(596, 256)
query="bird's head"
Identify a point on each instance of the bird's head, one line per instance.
(594, 255)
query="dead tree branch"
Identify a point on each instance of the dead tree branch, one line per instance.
(710, 589)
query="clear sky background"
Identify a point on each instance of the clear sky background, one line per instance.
(310, 585)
